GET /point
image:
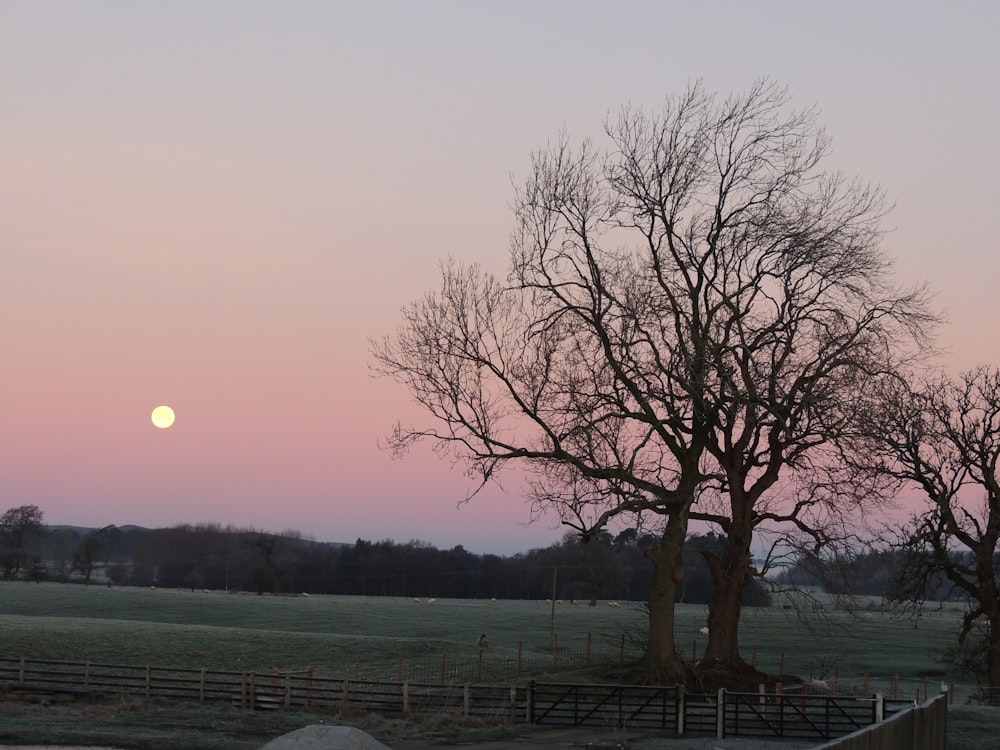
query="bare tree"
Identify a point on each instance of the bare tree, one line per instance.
(677, 313)
(781, 280)
(16, 524)
(85, 556)
(942, 440)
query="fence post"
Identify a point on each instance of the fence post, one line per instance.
(720, 714)
(243, 690)
(779, 707)
(309, 687)
(466, 699)
(288, 690)
(149, 681)
(406, 698)
(531, 702)
(253, 691)
(879, 708)
(513, 704)
(86, 674)
(21, 670)
(681, 710)
(201, 687)
(346, 698)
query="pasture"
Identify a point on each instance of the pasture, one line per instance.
(371, 636)
(341, 636)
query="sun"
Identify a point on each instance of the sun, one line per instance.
(163, 417)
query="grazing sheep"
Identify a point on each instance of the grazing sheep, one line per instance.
(483, 642)
(820, 684)
(431, 601)
(703, 631)
(493, 600)
(418, 600)
(613, 604)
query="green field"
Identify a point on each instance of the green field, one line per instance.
(337, 635)
(340, 635)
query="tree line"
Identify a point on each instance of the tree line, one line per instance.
(211, 556)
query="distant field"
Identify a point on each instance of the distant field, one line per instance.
(336, 635)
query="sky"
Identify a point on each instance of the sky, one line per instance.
(217, 205)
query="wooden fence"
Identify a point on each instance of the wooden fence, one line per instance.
(923, 727)
(262, 691)
(669, 709)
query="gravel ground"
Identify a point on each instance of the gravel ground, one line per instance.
(572, 739)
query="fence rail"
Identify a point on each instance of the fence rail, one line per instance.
(785, 715)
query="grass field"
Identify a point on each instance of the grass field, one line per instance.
(336, 635)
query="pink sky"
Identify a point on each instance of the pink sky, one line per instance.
(215, 205)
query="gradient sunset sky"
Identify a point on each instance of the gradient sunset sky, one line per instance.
(215, 205)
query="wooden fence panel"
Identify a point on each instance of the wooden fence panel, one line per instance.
(923, 727)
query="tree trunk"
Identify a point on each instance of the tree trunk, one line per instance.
(730, 576)
(662, 659)
(989, 601)
(993, 649)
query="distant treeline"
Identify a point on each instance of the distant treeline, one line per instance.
(235, 559)
(212, 556)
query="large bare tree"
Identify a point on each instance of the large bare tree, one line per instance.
(774, 266)
(680, 307)
(940, 440)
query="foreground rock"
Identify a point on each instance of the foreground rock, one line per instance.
(325, 737)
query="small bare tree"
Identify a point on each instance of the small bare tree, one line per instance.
(682, 311)
(16, 525)
(941, 439)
